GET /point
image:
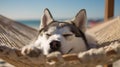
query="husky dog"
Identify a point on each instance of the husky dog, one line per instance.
(66, 37)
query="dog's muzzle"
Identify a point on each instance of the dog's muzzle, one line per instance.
(55, 46)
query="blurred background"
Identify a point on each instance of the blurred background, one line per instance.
(29, 12)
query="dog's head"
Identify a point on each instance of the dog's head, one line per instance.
(62, 36)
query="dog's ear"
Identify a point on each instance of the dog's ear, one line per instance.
(46, 18)
(80, 20)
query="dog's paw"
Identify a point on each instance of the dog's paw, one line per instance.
(31, 51)
(54, 57)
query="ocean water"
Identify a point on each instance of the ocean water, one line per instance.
(35, 23)
(32, 23)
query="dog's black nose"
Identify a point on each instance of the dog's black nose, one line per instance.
(55, 45)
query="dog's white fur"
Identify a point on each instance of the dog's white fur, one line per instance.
(72, 42)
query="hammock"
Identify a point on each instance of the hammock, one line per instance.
(16, 35)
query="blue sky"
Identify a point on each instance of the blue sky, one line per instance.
(33, 9)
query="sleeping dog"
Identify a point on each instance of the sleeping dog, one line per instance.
(64, 36)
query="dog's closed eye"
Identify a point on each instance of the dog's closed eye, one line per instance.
(67, 35)
(48, 35)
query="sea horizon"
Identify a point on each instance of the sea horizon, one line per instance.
(35, 23)
(31, 23)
